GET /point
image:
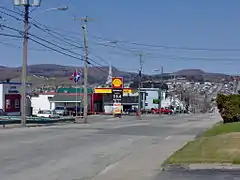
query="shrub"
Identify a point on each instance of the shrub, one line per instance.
(229, 107)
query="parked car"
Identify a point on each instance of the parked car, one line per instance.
(161, 110)
(73, 110)
(61, 110)
(47, 114)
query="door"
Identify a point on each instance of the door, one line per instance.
(12, 103)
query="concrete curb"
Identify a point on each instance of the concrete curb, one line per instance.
(215, 166)
(195, 167)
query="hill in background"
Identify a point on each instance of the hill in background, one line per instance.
(44, 74)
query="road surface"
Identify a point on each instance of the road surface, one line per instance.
(111, 149)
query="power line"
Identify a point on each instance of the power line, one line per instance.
(69, 55)
(137, 43)
(46, 46)
(46, 29)
(158, 55)
(191, 58)
(10, 35)
(100, 58)
(56, 35)
(18, 19)
(55, 50)
(168, 47)
(39, 38)
(10, 10)
(19, 47)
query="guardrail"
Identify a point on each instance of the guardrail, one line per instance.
(4, 120)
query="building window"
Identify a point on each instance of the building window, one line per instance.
(17, 103)
(8, 103)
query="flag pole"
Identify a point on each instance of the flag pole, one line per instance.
(76, 95)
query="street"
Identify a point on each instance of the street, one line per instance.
(113, 149)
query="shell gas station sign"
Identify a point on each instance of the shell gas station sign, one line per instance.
(117, 83)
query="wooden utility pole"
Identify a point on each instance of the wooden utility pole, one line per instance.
(139, 86)
(160, 91)
(26, 5)
(85, 97)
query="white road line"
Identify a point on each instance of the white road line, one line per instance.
(108, 168)
(168, 137)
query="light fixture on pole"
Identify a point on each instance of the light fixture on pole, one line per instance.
(26, 4)
(35, 3)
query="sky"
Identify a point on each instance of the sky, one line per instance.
(185, 34)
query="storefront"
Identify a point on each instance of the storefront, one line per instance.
(10, 98)
(129, 99)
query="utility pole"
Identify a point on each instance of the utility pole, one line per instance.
(23, 105)
(174, 89)
(139, 86)
(24, 65)
(160, 91)
(85, 96)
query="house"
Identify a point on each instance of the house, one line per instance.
(67, 97)
(10, 98)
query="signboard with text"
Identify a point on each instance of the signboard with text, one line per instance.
(117, 108)
(117, 94)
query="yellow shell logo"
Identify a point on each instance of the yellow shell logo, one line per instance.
(117, 82)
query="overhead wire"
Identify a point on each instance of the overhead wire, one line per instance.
(19, 47)
(159, 55)
(42, 39)
(53, 34)
(144, 44)
(10, 35)
(130, 50)
(45, 29)
(168, 47)
(56, 35)
(46, 46)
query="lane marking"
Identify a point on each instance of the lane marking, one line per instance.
(108, 168)
(168, 137)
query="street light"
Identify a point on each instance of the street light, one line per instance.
(35, 3)
(26, 4)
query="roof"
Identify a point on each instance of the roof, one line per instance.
(74, 90)
(65, 98)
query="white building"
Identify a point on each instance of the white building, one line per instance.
(10, 98)
(41, 102)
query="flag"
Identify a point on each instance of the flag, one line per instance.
(75, 76)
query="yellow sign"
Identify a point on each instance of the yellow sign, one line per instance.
(109, 91)
(103, 90)
(117, 82)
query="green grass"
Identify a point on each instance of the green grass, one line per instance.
(220, 144)
(221, 128)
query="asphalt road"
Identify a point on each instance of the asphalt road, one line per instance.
(107, 148)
